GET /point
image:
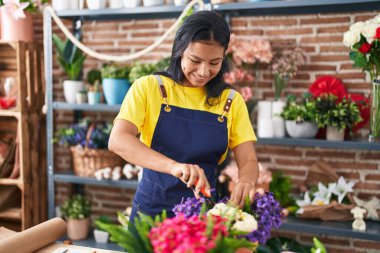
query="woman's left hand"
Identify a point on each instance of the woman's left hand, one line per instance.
(241, 190)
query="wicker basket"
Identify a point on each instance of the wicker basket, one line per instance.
(86, 161)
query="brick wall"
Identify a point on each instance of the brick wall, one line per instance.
(321, 37)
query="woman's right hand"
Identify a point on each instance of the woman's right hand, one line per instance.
(192, 175)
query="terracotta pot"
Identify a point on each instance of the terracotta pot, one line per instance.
(243, 250)
(77, 229)
(16, 30)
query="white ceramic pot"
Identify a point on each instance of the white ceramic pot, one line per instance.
(132, 3)
(60, 5)
(116, 4)
(304, 129)
(81, 97)
(70, 89)
(101, 236)
(96, 4)
(333, 134)
(76, 4)
(148, 3)
(180, 2)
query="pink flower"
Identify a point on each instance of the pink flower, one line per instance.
(15, 8)
(246, 93)
(238, 75)
(180, 234)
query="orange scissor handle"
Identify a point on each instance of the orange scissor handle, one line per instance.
(203, 190)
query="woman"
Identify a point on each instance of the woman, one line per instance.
(187, 117)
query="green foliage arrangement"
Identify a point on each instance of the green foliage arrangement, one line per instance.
(281, 187)
(102, 219)
(69, 57)
(300, 110)
(281, 244)
(76, 207)
(117, 72)
(318, 246)
(342, 114)
(141, 69)
(94, 78)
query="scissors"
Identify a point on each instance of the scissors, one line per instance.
(203, 194)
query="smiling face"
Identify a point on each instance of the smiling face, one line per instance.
(201, 62)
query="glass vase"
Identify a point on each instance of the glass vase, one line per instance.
(374, 129)
(280, 82)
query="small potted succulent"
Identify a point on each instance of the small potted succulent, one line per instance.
(300, 117)
(94, 78)
(115, 83)
(77, 210)
(101, 235)
(336, 115)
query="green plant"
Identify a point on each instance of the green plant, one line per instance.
(69, 57)
(281, 244)
(102, 219)
(162, 64)
(281, 187)
(141, 69)
(116, 72)
(76, 207)
(318, 246)
(94, 78)
(303, 110)
(341, 114)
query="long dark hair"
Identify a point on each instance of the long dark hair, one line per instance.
(201, 26)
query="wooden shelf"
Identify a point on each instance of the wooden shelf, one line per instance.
(9, 181)
(13, 213)
(10, 113)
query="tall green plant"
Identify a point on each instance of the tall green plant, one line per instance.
(69, 57)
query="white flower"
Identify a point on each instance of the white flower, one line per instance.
(350, 39)
(357, 28)
(319, 201)
(342, 188)
(246, 223)
(15, 8)
(369, 30)
(223, 210)
(304, 202)
(324, 192)
(376, 19)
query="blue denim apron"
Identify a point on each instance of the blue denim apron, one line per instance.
(186, 136)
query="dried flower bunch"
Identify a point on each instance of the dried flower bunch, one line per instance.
(287, 62)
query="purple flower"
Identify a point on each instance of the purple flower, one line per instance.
(190, 207)
(267, 211)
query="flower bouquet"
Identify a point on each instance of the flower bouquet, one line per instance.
(200, 226)
(363, 39)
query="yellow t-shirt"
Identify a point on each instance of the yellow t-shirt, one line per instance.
(142, 105)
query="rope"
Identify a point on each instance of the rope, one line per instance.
(121, 58)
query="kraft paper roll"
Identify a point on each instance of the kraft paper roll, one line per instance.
(264, 110)
(277, 108)
(34, 238)
(265, 128)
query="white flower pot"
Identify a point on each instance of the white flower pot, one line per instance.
(333, 134)
(301, 130)
(180, 2)
(131, 3)
(76, 4)
(148, 3)
(60, 5)
(101, 236)
(116, 4)
(70, 89)
(96, 4)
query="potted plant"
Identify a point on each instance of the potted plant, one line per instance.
(76, 210)
(337, 115)
(300, 117)
(16, 21)
(101, 235)
(115, 83)
(94, 78)
(142, 69)
(71, 60)
(88, 144)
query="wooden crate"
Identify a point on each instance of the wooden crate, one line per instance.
(24, 62)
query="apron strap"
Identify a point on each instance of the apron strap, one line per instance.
(164, 95)
(227, 105)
